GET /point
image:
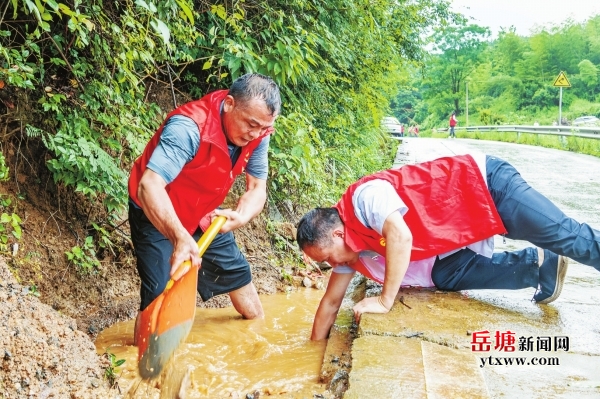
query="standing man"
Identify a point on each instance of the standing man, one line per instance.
(185, 173)
(452, 123)
(432, 224)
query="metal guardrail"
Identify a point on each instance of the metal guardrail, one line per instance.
(574, 131)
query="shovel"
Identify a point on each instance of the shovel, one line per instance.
(167, 321)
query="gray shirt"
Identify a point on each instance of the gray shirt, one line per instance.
(179, 142)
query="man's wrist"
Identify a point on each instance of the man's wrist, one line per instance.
(385, 302)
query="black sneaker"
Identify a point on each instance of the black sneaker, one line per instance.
(552, 276)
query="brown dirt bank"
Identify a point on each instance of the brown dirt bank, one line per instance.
(44, 355)
(51, 312)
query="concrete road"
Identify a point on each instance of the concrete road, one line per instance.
(472, 344)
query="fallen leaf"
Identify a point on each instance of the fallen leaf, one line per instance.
(8, 104)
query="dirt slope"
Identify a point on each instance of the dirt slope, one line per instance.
(44, 355)
(51, 311)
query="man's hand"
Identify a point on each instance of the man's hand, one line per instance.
(234, 219)
(330, 305)
(185, 256)
(370, 305)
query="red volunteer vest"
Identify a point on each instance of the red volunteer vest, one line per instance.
(204, 182)
(449, 207)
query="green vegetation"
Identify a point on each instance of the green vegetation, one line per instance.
(3, 168)
(84, 258)
(509, 79)
(90, 74)
(10, 223)
(33, 290)
(111, 371)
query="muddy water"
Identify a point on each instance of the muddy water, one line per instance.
(231, 357)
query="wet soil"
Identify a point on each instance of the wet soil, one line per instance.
(52, 310)
(44, 355)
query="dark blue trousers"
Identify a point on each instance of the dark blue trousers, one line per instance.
(527, 215)
(224, 267)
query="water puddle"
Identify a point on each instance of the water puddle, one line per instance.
(230, 357)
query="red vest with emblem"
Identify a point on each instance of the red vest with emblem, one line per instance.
(449, 207)
(204, 182)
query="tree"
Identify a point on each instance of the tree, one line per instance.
(456, 50)
(510, 77)
(88, 66)
(592, 32)
(404, 105)
(507, 50)
(588, 73)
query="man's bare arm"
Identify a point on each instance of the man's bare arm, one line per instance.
(398, 239)
(158, 208)
(249, 205)
(330, 304)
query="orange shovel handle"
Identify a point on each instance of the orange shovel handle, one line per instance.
(168, 319)
(210, 234)
(203, 244)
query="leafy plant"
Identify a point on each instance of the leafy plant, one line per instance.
(10, 224)
(93, 67)
(5, 201)
(111, 371)
(84, 258)
(3, 168)
(286, 276)
(80, 162)
(33, 290)
(104, 240)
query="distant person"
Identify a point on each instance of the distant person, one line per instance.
(433, 224)
(185, 173)
(452, 122)
(414, 131)
(401, 130)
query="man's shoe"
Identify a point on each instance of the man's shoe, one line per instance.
(552, 276)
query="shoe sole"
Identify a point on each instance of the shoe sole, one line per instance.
(563, 264)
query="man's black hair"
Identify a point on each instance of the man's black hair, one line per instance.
(315, 226)
(255, 85)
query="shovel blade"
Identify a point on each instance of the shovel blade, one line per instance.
(167, 321)
(165, 324)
